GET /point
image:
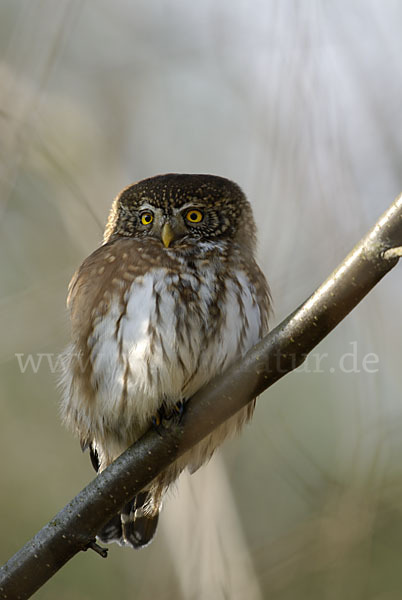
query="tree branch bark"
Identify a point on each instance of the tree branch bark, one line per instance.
(285, 348)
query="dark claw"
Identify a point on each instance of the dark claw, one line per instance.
(92, 545)
(94, 458)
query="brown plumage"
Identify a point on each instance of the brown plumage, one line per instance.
(171, 299)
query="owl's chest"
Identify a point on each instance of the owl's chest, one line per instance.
(166, 335)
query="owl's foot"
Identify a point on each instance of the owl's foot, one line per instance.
(164, 415)
(177, 411)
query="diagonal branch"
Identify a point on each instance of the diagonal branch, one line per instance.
(286, 347)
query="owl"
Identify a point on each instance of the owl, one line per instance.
(171, 299)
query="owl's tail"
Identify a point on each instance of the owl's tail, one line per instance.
(135, 526)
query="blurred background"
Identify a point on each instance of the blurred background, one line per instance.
(301, 104)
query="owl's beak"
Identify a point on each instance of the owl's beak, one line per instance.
(167, 235)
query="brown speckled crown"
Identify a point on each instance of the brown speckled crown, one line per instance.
(176, 189)
(220, 196)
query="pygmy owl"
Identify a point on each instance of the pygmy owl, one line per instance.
(171, 298)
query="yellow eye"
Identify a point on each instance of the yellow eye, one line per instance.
(147, 218)
(194, 216)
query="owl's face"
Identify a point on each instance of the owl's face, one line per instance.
(179, 210)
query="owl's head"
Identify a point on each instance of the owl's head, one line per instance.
(181, 210)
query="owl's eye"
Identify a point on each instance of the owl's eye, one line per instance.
(194, 216)
(147, 218)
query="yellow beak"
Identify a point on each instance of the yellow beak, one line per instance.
(167, 235)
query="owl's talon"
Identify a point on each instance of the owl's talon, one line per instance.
(157, 422)
(92, 545)
(179, 409)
